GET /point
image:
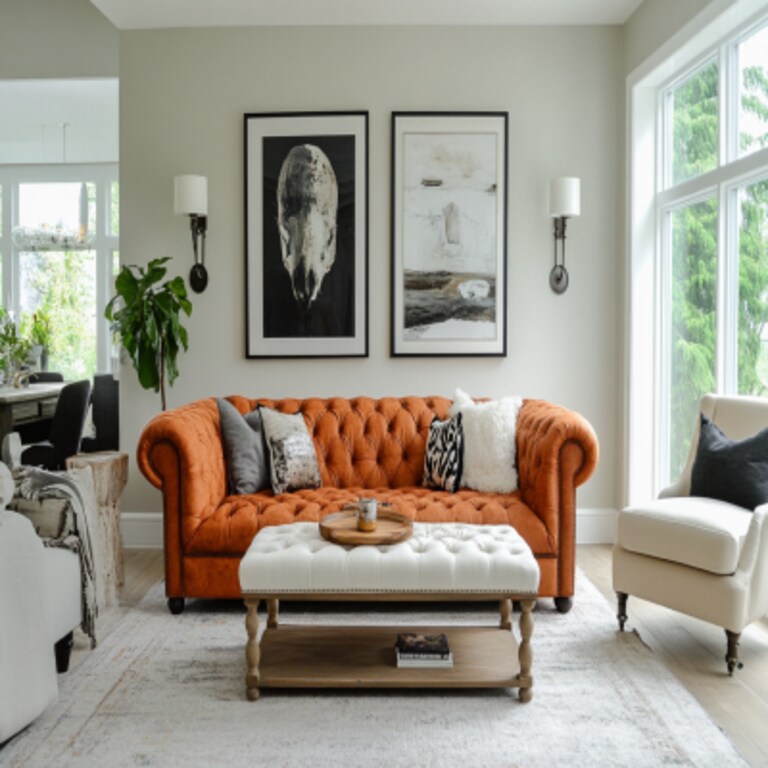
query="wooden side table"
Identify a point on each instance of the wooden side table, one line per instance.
(110, 474)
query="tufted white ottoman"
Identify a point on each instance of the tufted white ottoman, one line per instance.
(440, 562)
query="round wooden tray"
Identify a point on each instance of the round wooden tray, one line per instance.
(341, 527)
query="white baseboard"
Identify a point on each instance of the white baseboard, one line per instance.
(596, 526)
(144, 530)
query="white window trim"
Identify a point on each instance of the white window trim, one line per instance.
(690, 47)
(104, 243)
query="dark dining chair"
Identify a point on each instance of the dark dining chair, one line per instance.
(44, 377)
(105, 414)
(66, 429)
(38, 430)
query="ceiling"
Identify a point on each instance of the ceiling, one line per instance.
(156, 14)
(54, 121)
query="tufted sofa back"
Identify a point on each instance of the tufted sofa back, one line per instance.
(363, 442)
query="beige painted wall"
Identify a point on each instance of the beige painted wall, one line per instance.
(652, 24)
(183, 96)
(56, 38)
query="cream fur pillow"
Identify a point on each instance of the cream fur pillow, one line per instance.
(489, 442)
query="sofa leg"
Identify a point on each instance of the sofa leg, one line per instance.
(732, 656)
(63, 650)
(563, 604)
(621, 614)
(175, 605)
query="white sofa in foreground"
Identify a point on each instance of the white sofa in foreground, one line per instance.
(39, 607)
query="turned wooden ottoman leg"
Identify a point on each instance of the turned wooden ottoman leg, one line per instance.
(525, 653)
(273, 609)
(505, 607)
(252, 651)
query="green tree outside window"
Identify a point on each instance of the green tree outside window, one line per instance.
(694, 256)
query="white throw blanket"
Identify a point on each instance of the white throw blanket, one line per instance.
(38, 484)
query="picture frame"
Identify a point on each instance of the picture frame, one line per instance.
(449, 233)
(306, 234)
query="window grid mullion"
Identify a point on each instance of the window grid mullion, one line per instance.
(667, 141)
(663, 343)
(726, 334)
(727, 293)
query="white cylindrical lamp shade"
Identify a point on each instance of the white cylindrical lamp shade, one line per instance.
(190, 195)
(565, 196)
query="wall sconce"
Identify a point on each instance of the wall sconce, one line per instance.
(191, 199)
(564, 201)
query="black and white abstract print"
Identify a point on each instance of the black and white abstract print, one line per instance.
(309, 215)
(449, 236)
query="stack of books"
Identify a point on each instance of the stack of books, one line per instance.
(420, 650)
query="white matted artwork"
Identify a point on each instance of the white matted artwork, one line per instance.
(449, 180)
(306, 234)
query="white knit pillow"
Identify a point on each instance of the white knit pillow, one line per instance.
(489, 442)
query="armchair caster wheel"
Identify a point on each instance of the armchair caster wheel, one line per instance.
(63, 650)
(621, 615)
(734, 664)
(563, 604)
(732, 655)
(176, 605)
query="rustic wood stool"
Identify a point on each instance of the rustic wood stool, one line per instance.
(110, 474)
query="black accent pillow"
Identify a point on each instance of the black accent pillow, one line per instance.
(245, 449)
(735, 471)
(444, 457)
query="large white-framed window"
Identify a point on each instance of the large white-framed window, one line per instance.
(59, 244)
(697, 236)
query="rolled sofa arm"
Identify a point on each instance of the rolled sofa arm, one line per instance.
(557, 450)
(180, 452)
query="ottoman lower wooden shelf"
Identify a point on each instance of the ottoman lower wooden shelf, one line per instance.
(364, 657)
(446, 562)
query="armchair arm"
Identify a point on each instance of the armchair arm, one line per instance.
(681, 487)
(752, 570)
(180, 451)
(557, 450)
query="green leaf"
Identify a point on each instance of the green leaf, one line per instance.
(145, 318)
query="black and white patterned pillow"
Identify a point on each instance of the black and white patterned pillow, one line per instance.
(293, 461)
(444, 456)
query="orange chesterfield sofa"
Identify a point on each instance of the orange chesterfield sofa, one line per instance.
(364, 447)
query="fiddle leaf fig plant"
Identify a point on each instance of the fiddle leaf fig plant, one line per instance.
(145, 316)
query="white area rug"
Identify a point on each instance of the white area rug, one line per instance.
(164, 690)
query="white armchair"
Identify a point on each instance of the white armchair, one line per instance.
(703, 557)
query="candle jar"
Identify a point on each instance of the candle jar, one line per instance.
(367, 510)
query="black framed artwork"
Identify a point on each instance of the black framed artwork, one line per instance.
(306, 234)
(449, 233)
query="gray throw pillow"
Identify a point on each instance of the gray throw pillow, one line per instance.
(244, 449)
(292, 457)
(735, 471)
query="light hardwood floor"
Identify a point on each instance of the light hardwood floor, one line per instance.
(692, 650)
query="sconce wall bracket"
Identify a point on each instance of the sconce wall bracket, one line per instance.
(198, 275)
(558, 276)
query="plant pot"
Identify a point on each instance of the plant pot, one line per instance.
(34, 355)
